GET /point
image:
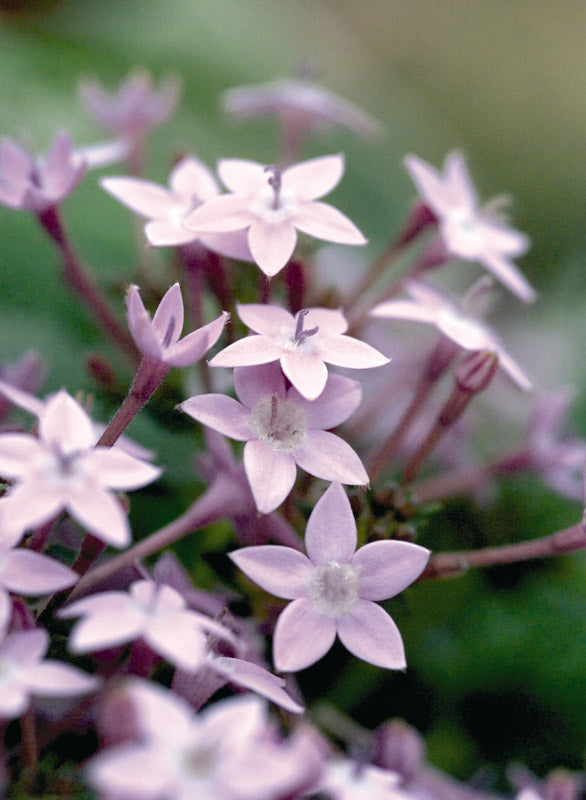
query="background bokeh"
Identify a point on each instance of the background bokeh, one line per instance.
(497, 659)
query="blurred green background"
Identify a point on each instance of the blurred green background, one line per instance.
(497, 660)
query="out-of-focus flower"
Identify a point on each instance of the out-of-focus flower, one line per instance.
(36, 184)
(62, 470)
(24, 672)
(344, 779)
(301, 343)
(283, 430)
(190, 184)
(272, 204)
(158, 339)
(299, 104)
(135, 108)
(457, 322)
(468, 230)
(334, 588)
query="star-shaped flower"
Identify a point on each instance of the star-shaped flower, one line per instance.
(62, 470)
(154, 612)
(190, 184)
(24, 672)
(334, 588)
(158, 339)
(468, 230)
(283, 430)
(458, 322)
(303, 344)
(272, 204)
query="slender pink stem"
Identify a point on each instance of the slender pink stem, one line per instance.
(29, 740)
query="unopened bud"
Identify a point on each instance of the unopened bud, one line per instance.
(476, 371)
(400, 748)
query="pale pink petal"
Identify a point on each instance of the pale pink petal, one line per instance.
(147, 199)
(29, 504)
(388, 567)
(17, 451)
(307, 372)
(222, 214)
(220, 412)
(179, 640)
(191, 348)
(510, 276)
(312, 179)
(345, 351)
(405, 309)
(140, 325)
(279, 570)
(64, 421)
(242, 176)
(271, 475)
(15, 163)
(462, 191)
(429, 183)
(25, 647)
(330, 321)
(233, 244)
(5, 612)
(169, 315)
(246, 352)
(327, 456)
(102, 514)
(340, 398)
(513, 370)
(253, 384)
(192, 179)
(130, 771)
(157, 595)
(168, 233)
(331, 530)
(51, 678)
(61, 169)
(259, 680)
(161, 714)
(22, 399)
(270, 320)
(27, 572)
(302, 636)
(14, 699)
(369, 633)
(107, 627)
(272, 244)
(326, 222)
(116, 469)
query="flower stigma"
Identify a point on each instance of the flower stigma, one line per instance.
(279, 423)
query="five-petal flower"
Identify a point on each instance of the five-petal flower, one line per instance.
(274, 204)
(334, 588)
(283, 430)
(303, 344)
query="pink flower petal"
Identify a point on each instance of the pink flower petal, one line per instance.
(242, 176)
(53, 679)
(405, 309)
(429, 183)
(253, 384)
(327, 456)
(388, 567)
(302, 636)
(272, 244)
(259, 680)
(271, 475)
(192, 347)
(369, 633)
(508, 274)
(307, 373)
(130, 771)
(326, 222)
(330, 321)
(147, 199)
(247, 352)
(112, 623)
(140, 325)
(101, 514)
(340, 398)
(116, 469)
(192, 179)
(25, 647)
(29, 504)
(169, 310)
(182, 641)
(14, 700)
(168, 233)
(15, 162)
(17, 450)
(27, 572)
(331, 530)
(312, 179)
(64, 421)
(279, 570)
(220, 215)
(266, 319)
(344, 351)
(233, 244)
(220, 412)
(161, 715)
(5, 612)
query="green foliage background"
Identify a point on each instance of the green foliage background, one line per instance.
(497, 659)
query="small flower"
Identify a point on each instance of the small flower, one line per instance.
(23, 673)
(283, 430)
(344, 779)
(158, 339)
(150, 611)
(62, 470)
(333, 588)
(302, 343)
(468, 230)
(271, 204)
(190, 184)
(36, 184)
(135, 108)
(457, 322)
(300, 104)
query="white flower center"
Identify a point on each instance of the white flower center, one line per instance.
(198, 762)
(279, 423)
(463, 234)
(65, 469)
(333, 588)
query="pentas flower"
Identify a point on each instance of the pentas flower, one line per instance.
(344, 779)
(334, 588)
(272, 204)
(24, 673)
(458, 322)
(303, 344)
(150, 611)
(36, 184)
(190, 184)
(227, 751)
(62, 470)
(158, 339)
(468, 230)
(283, 430)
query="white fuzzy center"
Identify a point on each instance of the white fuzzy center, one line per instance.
(279, 423)
(333, 588)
